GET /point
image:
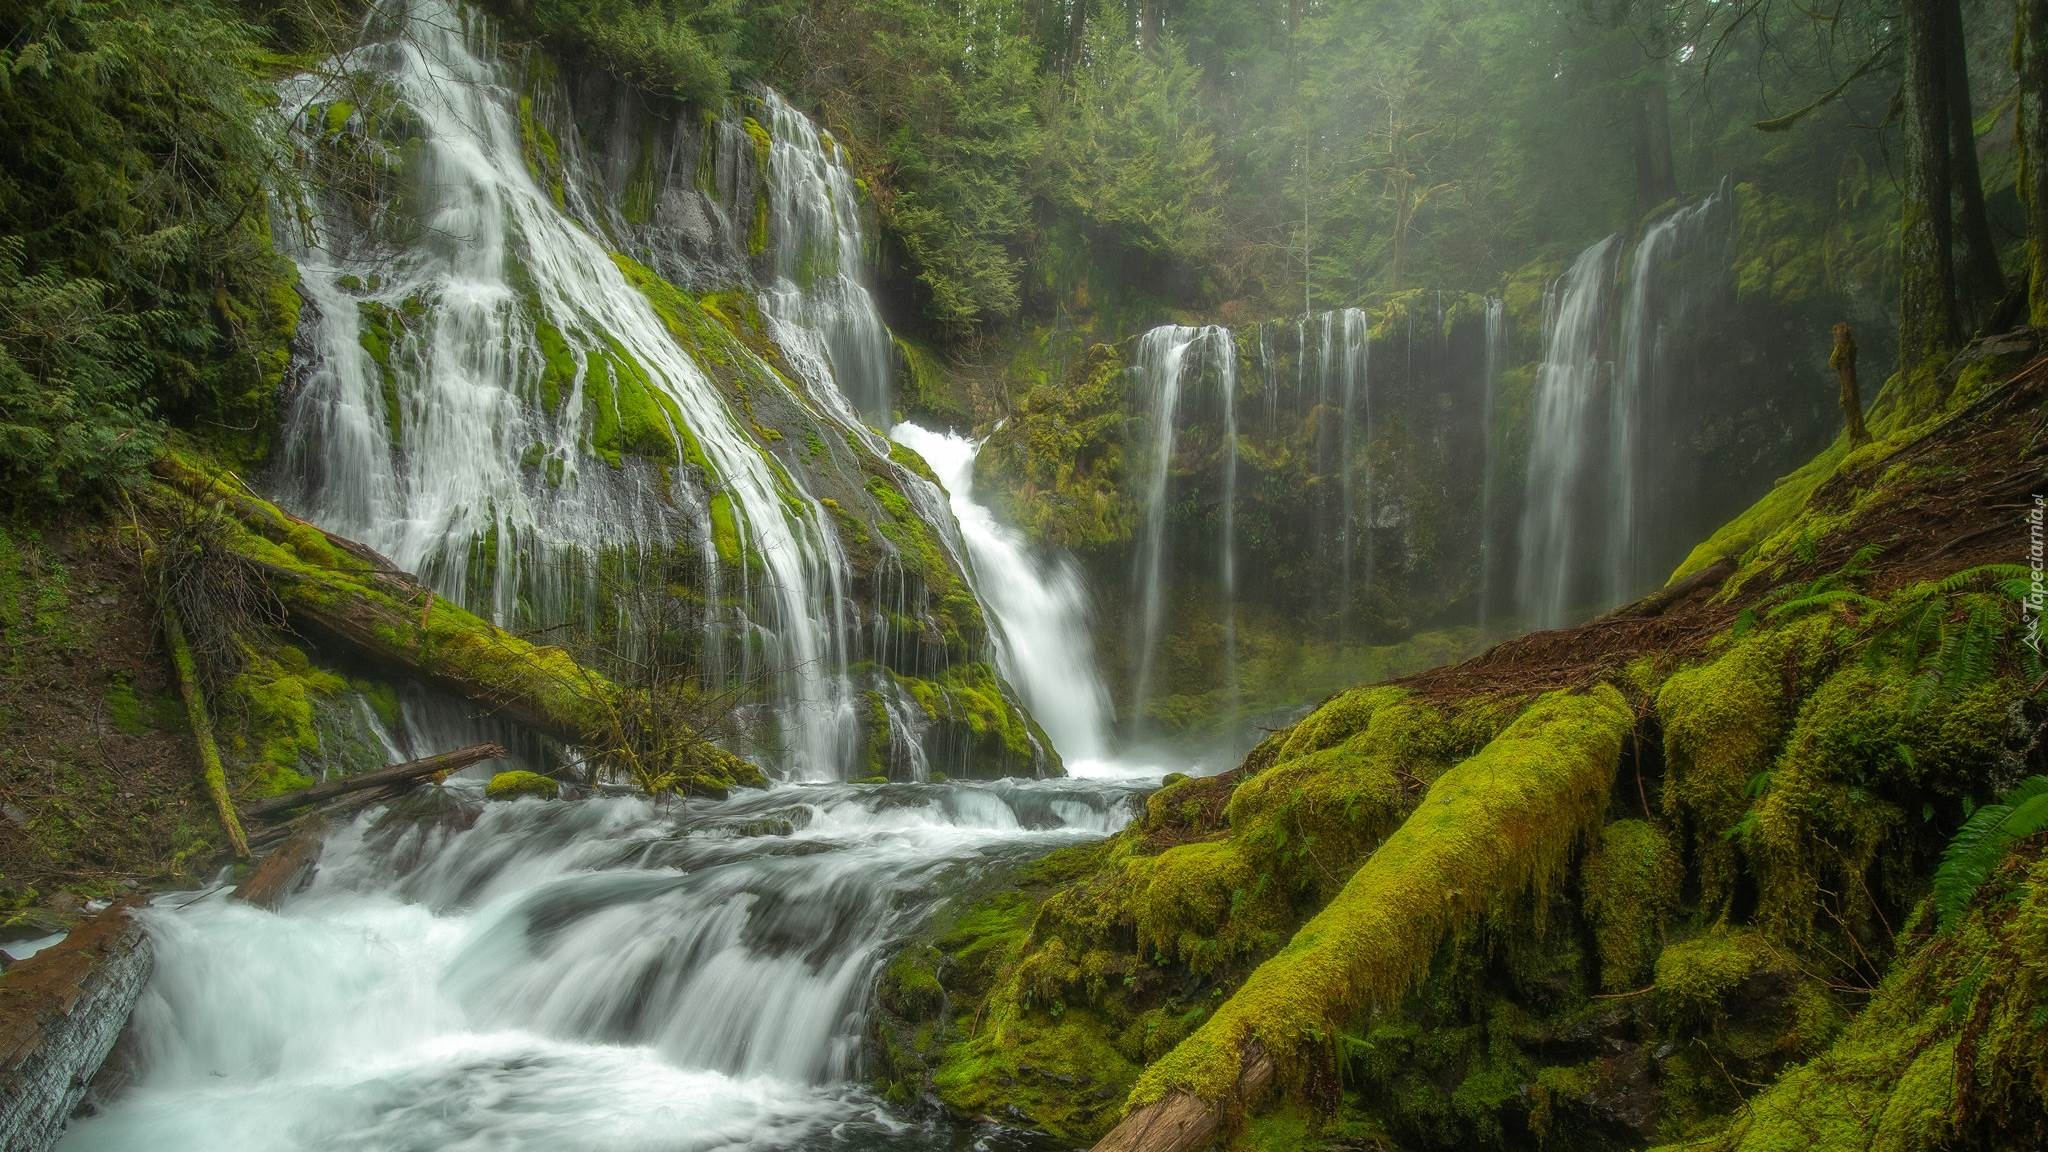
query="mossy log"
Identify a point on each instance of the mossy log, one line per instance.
(342, 593)
(1500, 823)
(211, 773)
(396, 774)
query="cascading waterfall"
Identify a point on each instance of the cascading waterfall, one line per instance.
(817, 307)
(1495, 362)
(1354, 355)
(1165, 356)
(1674, 271)
(1039, 608)
(1561, 440)
(594, 975)
(1603, 425)
(462, 431)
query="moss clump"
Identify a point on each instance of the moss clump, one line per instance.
(1061, 457)
(1339, 783)
(1862, 760)
(520, 783)
(1952, 1052)
(1723, 722)
(1499, 823)
(1632, 882)
(270, 727)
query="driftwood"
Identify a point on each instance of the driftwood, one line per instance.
(284, 870)
(1182, 1122)
(383, 777)
(61, 1011)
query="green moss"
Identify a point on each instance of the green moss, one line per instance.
(558, 365)
(379, 331)
(543, 155)
(124, 709)
(1497, 824)
(1723, 722)
(1632, 882)
(519, 783)
(269, 727)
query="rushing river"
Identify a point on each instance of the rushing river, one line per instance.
(609, 974)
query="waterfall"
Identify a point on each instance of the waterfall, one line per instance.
(1039, 610)
(486, 397)
(1608, 421)
(817, 307)
(1496, 360)
(1555, 523)
(1164, 358)
(591, 975)
(1675, 270)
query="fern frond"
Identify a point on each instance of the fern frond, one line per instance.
(1980, 845)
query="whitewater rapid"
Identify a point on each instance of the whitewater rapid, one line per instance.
(610, 973)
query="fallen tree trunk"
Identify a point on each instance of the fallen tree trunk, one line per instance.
(340, 592)
(1500, 823)
(211, 773)
(282, 872)
(61, 1011)
(1659, 602)
(396, 774)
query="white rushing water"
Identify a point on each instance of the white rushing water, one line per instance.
(1494, 363)
(597, 975)
(1038, 606)
(818, 309)
(496, 279)
(1165, 357)
(1600, 484)
(1554, 516)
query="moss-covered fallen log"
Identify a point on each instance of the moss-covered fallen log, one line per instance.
(410, 770)
(342, 593)
(1500, 823)
(211, 773)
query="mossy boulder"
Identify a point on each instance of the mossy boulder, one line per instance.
(520, 784)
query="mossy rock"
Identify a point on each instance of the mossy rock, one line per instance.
(520, 783)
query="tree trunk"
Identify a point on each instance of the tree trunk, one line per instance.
(2033, 135)
(281, 872)
(1980, 282)
(1151, 23)
(1843, 361)
(1928, 331)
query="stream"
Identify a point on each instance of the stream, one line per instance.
(611, 973)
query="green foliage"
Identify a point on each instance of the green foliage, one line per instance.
(73, 417)
(138, 281)
(681, 48)
(1129, 148)
(1981, 844)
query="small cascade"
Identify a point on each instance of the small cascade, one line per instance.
(818, 309)
(1555, 520)
(603, 974)
(1677, 270)
(1166, 356)
(1606, 468)
(1495, 363)
(1039, 609)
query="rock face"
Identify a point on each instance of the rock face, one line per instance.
(60, 1013)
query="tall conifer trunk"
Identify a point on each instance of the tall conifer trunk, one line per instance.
(1928, 328)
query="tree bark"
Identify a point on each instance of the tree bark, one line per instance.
(1843, 361)
(2033, 135)
(396, 774)
(1928, 329)
(1980, 282)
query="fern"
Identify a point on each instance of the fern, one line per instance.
(1981, 844)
